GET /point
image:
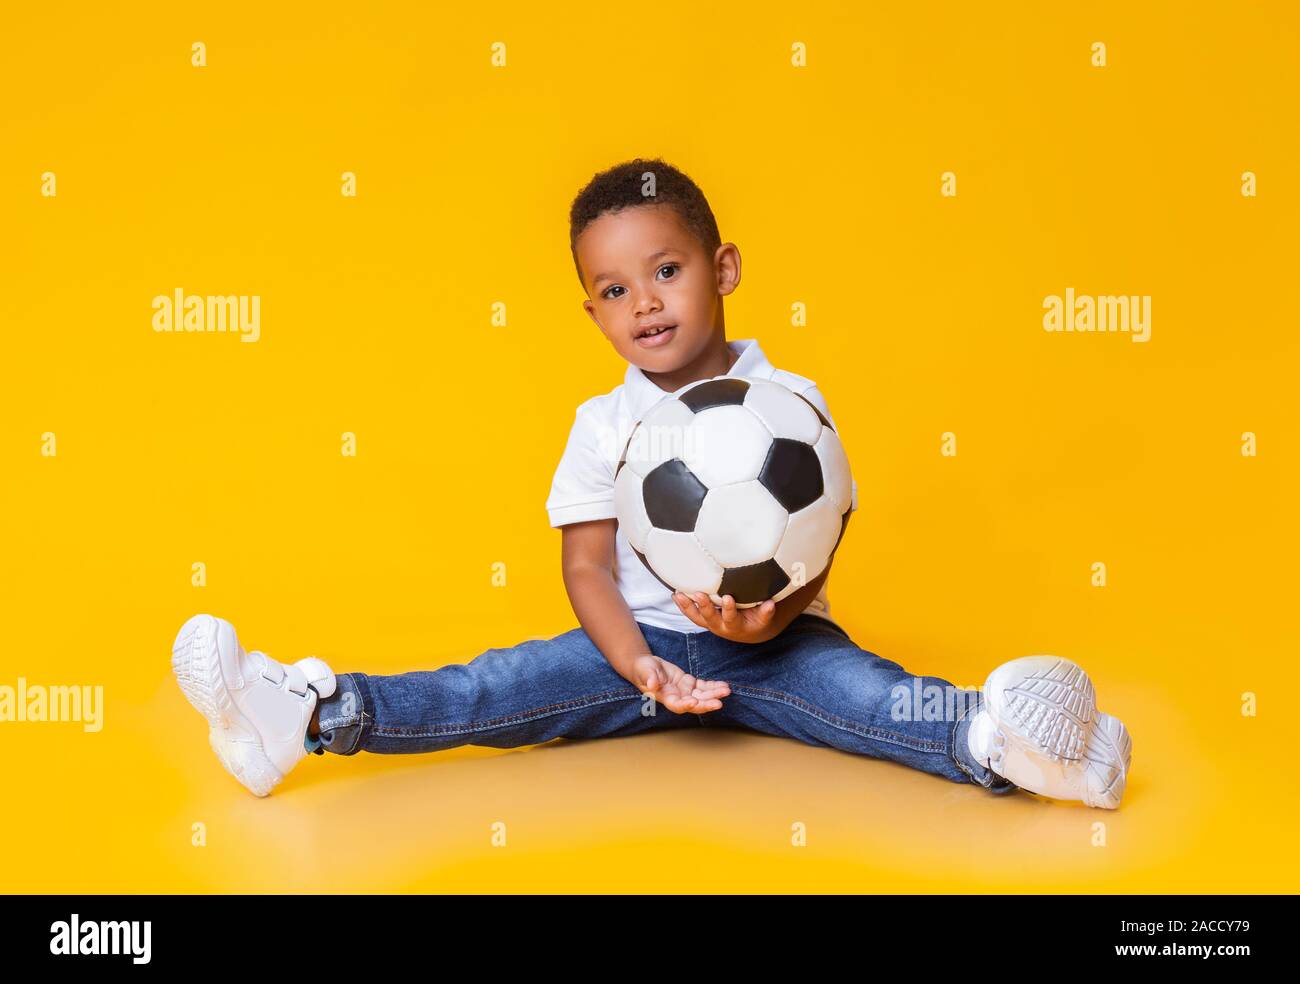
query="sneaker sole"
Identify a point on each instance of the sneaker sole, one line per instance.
(1052, 712)
(204, 655)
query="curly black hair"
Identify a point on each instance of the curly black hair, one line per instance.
(642, 181)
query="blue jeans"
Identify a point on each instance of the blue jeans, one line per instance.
(811, 682)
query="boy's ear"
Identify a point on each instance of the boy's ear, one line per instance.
(589, 308)
(727, 264)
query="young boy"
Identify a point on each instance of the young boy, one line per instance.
(649, 256)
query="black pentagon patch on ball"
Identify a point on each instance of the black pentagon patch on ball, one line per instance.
(716, 393)
(754, 583)
(673, 496)
(641, 557)
(820, 415)
(623, 460)
(792, 473)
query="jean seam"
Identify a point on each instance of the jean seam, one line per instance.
(549, 710)
(693, 665)
(865, 731)
(961, 716)
(357, 722)
(363, 700)
(345, 720)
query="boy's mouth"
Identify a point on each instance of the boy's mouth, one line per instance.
(655, 336)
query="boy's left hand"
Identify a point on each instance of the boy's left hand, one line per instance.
(737, 624)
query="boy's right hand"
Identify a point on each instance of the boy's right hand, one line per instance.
(676, 689)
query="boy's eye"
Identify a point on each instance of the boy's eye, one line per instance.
(605, 293)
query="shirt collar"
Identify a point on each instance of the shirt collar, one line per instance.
(643, 394)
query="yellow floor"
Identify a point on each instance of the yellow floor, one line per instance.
(678, 811)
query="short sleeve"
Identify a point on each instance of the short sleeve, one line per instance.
(583, 486)
(814, 396)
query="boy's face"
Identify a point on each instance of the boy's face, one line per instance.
(641, 268)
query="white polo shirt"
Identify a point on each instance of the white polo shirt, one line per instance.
(583, 487)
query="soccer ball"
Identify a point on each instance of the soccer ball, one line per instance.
(734, 485)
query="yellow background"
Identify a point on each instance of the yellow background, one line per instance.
(924, 317)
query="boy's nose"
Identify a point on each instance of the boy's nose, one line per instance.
(647, 306)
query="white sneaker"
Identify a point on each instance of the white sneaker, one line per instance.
(257, 709)
(1039, 726)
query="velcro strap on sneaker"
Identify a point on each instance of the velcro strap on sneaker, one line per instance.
(297, 680)
(272, 670)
